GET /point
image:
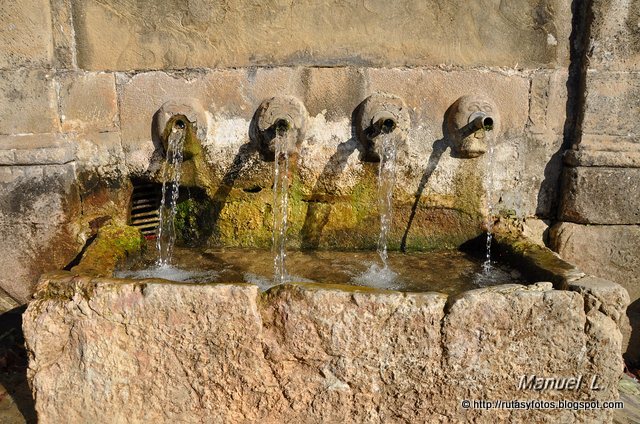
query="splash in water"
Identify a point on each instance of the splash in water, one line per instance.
(171, 171)
(280, 206)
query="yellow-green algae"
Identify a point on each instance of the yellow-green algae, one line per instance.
(113, 243)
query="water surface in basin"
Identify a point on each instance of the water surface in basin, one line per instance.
(446, 271)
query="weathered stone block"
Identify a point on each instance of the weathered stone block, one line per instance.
(28, 102)
(319, 33)
(219, 92)
(548, 102)
(585, 157)
(603, 295)
(610, 105)
(64, 43)
(88, 102)
(344, 337)
(585, 190)
(101, 153)
(494, 337)
(36, 149)
(609, 251)
(25, 34)
(37, 204)
(615, 35)
(151, 350)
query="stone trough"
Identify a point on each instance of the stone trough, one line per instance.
(112, 350)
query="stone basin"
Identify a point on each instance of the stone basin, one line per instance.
(115, 350)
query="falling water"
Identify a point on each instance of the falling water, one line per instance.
(280, 205)
(171, 171)
(486, 266)
(376, 276)
(386, 181)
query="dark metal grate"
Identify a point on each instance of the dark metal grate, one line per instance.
(145, 205)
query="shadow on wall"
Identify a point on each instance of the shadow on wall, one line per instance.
(632, 355)
(13, 370)
(319, 208)
(439, 147)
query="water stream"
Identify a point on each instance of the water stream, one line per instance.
(489, 193)
(377, 276)
(280, 206)
(386, 182)
(171, 171)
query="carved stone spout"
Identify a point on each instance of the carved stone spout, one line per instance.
(283, 116)
(471, 125)
(378, 115)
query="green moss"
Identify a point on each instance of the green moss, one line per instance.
(193, 224)
(113, 244)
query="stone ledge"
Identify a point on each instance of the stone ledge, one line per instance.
(36, 149)
(576, 158)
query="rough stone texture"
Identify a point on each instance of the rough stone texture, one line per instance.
(88, 102)
(606, 251)
(605, 296)
(25, 34)
(64, 43)
(615, 35)
(105, 350)
(28, 102)
(601, 195)
(611, 101)
(36, 149)
(37, 207)
(318, 32)
(505, 332)
(584, 157)
(101, 154)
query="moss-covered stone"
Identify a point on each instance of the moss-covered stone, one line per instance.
(192, 222)
(112, 244)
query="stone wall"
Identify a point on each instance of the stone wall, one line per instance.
(82, 79)
(600, 207)
(108, 350)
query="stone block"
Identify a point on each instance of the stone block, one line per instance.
(25, 35)
(101, 153)
(586, 157)
(345, 336)
(585, 190)
(36, 149)
(307, 353)
(609, 251)
(28, 102)
(320, 34)
(488, 360)
(603, 295)
(64, 43)
(612, 144)
(222, 93)
(612, 100)
(615, 35)
(337, 92)
(38, 206)
(88, 102)
(548, 102)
